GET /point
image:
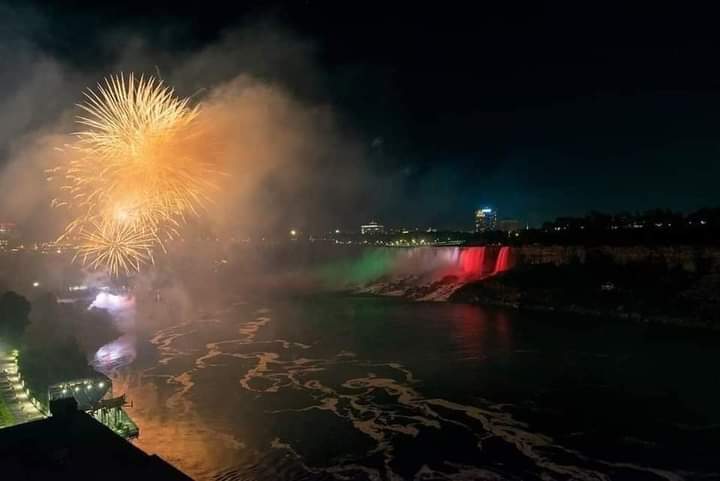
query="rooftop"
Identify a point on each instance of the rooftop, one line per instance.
(71, 445)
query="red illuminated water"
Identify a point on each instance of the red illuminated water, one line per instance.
(472, 260)
(503, 260)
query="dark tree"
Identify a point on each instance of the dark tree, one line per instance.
(14, 312)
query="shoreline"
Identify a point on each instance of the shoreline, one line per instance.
(634, 317)
(470, 293)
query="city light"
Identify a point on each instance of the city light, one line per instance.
(36, 284)
(293, 232)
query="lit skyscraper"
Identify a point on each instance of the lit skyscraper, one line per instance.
(485, 219)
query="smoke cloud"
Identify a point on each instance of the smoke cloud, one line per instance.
(290, 160)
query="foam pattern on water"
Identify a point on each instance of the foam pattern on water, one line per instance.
(383, 402)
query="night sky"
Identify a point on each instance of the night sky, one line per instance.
(537, 111)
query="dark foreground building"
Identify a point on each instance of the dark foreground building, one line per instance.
(71, 445)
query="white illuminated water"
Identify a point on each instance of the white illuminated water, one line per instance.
(121, 351)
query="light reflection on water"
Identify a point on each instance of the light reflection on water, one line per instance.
(120, 352)
(368, 389)
(116, 354)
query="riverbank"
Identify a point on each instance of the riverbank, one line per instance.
(641, 292)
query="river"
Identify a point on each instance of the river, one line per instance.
(352, 387)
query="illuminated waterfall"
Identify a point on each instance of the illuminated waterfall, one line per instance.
(420, 265)
(503, 260)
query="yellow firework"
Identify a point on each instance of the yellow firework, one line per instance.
(141, 165)
(142, 154)
(119, 248)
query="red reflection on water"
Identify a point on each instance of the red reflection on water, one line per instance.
(469, 325)
(478, 332)
(503, 332)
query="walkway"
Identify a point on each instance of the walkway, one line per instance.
(12, 390)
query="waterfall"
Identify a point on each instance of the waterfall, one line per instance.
(420, 266)
(472, 260)
(503, 260)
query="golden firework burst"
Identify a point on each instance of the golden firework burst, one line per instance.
(117, 247)
(140, 166)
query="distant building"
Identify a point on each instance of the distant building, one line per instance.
(509, 225)
(8, 235)
(7, 229)
(485, 219)
(372, 228)
(402, 230)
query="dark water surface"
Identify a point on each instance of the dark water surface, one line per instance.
(341, 387)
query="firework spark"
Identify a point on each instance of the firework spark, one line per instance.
(116, 247)
(138, 154)
(139, 168)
